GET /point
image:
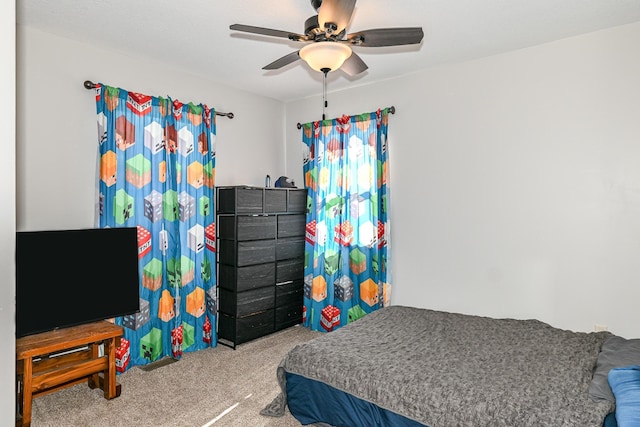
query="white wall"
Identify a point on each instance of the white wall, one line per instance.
(515, 181)
(7, 212)
(57, 133)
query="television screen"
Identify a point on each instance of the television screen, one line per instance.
(70, 277)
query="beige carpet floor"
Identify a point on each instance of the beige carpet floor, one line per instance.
(213, 387)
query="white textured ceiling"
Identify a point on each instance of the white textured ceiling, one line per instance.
(195, 35)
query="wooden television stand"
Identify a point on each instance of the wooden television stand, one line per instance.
(51, 361)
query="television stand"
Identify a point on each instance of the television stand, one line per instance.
(50, 361)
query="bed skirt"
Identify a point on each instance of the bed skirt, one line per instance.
(344, 409)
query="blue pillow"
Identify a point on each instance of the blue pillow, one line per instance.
(625, 383)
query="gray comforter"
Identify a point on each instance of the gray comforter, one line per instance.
(444, 369)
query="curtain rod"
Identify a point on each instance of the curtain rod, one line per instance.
(88, 84)
(392, 110)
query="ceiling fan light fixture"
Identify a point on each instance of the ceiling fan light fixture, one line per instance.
(325, 55)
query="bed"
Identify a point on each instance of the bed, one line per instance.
(405, 366)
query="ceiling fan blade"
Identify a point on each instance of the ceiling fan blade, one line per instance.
(268, 32)
(354, 65)
(281, 62)
(335, 13)
(386, 37)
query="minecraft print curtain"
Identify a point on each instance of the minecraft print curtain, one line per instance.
(156, 173)
(347, 251)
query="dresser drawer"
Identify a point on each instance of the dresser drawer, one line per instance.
(251, 252)
(246, 278)
(245, 328)
(246, 227)
(289, 293)
(275, 200)
(291, 225)
(289, 270)
(289, 247)
(288, 316)
(240, 200)
(297, 201)
(256, 227)
(248, 302)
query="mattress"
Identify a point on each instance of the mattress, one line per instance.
(409, 366)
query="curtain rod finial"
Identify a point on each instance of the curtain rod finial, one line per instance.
(88, 84)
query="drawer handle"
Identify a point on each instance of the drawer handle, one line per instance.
(288, 282)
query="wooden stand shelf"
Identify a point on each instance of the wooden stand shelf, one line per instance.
(51, 361)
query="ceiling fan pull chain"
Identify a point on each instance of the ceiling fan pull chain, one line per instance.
(325, 71)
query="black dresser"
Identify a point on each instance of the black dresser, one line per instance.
(261, 235)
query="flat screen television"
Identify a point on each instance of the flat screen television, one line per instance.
(70, 277)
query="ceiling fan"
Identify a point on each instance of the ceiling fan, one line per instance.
(327, 44)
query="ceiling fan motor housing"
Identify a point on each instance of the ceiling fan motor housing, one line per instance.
(312, 30)
(311, 27)
(316, 4)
